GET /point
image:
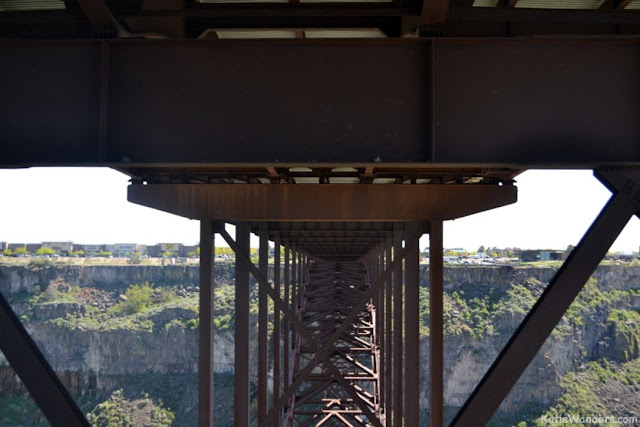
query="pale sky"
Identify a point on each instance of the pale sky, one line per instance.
(89, 205)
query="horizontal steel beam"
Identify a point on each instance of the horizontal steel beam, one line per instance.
(136, 103)
(316, 202)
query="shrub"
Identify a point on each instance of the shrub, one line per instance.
(138, 298)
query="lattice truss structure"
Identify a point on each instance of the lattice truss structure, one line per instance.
(328, 294)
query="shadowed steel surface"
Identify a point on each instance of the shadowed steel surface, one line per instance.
(317, 101)
(317, 202)
(363, 139)
(241, 402)
(436, 325)
(205, 329)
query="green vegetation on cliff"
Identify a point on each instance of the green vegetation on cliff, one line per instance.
(118, 411)
(600, 388)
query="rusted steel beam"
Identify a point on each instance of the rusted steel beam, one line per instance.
(380, 339)
(34, 371)
(547, 312)
(322, 202)
(394, 119)
(436, 331)
(276, 326)
(434, 12)
(388, 395)
(241, 402)
(398, 299)
(412, 330)
(287, 301)
(206, 328)
(263, 355)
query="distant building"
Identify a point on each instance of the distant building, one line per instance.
(153, 251)
(174, 248)
(185, 250)
(125, 249)
(552, 255)
(90, 249)
(3, 246)
(531, 255)
(30, 247)
(58, 246)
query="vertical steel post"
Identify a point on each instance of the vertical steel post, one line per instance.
(241, 378)
(276, 325)
(294, 283)
(381, 315)
(397, 330)
(388, 396)
(262, 323)
(436, 348)
(412, 331)
(205, 332)
(287, 301)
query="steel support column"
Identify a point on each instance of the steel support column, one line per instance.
(276, 327)
(294, 292)
(34, 371)
(263, 356)
(241, 343)
(206, 328)
(546, 313)
(436, 347)
(412, 331)
(287, 301)
(381, 316)
(388, 395)
(398, 354)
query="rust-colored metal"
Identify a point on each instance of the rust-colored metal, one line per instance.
(436, 331)
(276, 327)
(328, 202)
(205, 330)
(287, 301)
(328, 293)
(397, 327)
(412, 330)
(321, 356)
(263, 355)
(434, 12)
(388, 397)
(241, 401)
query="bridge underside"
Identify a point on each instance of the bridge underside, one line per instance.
(342, 152)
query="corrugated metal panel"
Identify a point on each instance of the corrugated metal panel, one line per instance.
(635, 4)
(485, 3)
(19, 5)
(563, 4)
(365, 33)
(242, 1)
(256, 34)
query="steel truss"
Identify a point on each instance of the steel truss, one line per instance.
(328, 294)
(347, 339)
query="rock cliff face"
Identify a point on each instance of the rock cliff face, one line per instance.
(96, 360)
